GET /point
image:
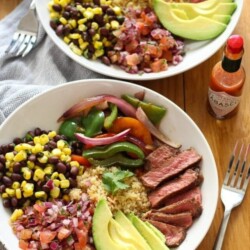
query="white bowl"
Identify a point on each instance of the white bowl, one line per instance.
(43, 111)
(196, 52)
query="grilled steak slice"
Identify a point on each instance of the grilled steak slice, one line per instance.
(190, 194)
(160, 155)
(174, 235)
(182, 219)
(180, 184)
(170, 168)
(187, 205)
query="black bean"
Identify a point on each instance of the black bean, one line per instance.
(59, 30)
(66, 191)
(1, 176)
(57, 7)
(16, 177)
(17, 140)
(68, 8)
(104, 32)
(66, 15)
(120, 19)
(73, 183)
(2, 166)
(92, 32)
(99, 19)
(52, 144)
(91, 48)
(7, 181)
(40, 154)
(57, 138)
(37, 131)
(104, 8)
(66, 30)
(61, 167)
(14, 202)
(2, 159)
(2, 188)
(106, 60)
(17, 167)
(6, 203)
(74, 13)
(74, 171)
(110, 12)
(46, 189)
(53, 160)
(53, 24)
(11, 147)
(31, 143)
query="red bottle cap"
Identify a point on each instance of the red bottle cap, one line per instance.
(235, 44)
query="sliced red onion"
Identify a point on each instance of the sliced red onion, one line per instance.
(101, 141)
(144, 147)
(142, 117)
(140, 95)
(88, 103)
(53, 245)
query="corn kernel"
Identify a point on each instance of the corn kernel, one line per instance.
(40, 194)
(61, 143)
(107, 43)
(82, 21)
(66, 197)
(81, 168)
(82, 27)
(64, 183)
(56, 182)
(54, 15)
(43, 159)
(30, 164)
(23, 183)
(18, 193)
(99, 52)
(16, 185)
(56, 152)
(114, 24)
(94, 25)
(44, 139)
(89, 14)
(83, 46)
(48, 169)
(39, 174)
(55, 192)
(67, 151)
(11, 192)
(54, 175)
(52, 134)
(36, 139)
(65, 158)
(8, 164)
(74, 36)
(37, 148)
(16, 214)
(96, 37)
(97, 11)
(117, 10)
(26, 173)
(62, 177)
(9, 156)
(107, 26)
(72, 23)
(9, 174)
(74, 164)
(5, 195)
(63, 20)
(20, 156)
(66, 40)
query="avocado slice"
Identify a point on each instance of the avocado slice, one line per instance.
(154, 112)
(122, 220)
(153, 240)
(156, 231)
(208, 4)
(100, 228)
(198, 28)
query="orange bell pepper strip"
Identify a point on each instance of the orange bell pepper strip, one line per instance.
(81, 160)
(137, 129)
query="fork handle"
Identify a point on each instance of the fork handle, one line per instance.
(222, 231)
(32, 5)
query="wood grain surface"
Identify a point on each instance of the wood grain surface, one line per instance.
(189, 91)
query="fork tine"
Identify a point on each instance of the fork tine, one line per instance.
(230, 164)
(237, 166)
(23, 45)
(243, 167)
(246, 181)
(12, 43)
(29, 46)
(18, 43)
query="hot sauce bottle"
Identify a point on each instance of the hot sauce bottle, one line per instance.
(227, 80)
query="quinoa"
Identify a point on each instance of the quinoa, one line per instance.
(131, 200)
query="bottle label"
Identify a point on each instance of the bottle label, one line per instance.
(221, 102)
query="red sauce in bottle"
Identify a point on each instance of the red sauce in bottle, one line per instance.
(227, 80)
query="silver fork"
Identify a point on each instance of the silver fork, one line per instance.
(25, 37)
(234, 187)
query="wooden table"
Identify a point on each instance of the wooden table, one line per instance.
(189, 91)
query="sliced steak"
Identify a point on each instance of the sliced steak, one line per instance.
(176, 186)
(174, 235)
(187, 205)
(190, 194)
(160, 155)
(182, 219)
(170, 168)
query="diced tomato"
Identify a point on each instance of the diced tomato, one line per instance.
(47, 236)
(24, 245)
(25, 234)
(131, 46)
(142, 28)
(159, 65)
(63, 233)
(39, 208)
(81, 160)
(154, 50)
(133, 59)
(82, 236)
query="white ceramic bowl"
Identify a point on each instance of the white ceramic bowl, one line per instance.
(43, 111)
(196, 52)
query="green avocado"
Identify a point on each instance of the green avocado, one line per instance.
(198, 28)
(156, 231)
(122, 220)
(152, 239)
(154, 112)
(100, 228)
(211, 3)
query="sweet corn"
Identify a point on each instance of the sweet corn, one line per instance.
(73, 36)
(89, 14)
(66, 197)
(63, 20)
(11, 192)
(5, 195)
(37, 148)
(75, 49)
(82, 21)
(99, 52)
(38, 175)
(52, 134)
(64, 183)
(96, 38)
(36, 140)
(61, 143)
(40, 194)
(54, 15)
(66, 40)
(28, 190)
(9, 156)
(30, 164)
(74, 164)
(48, 169)
(94, 25)
(54, 175)
(114, 24)
(56, 182)
(15, 185)
(16, 214)
(56, 152)
(8, 164)
(84, 45)
(65, 158)
(81, 168)
(23, 183)
(43, 159)
(44, 139)
(20, 156)
(117, 10)
(97, 11)
(18, 193)
(72, 23)
(62, 177)
(26, 173)
(82, 27)
(55, 192)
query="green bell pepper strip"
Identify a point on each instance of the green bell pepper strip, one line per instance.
(93, 122)
(117, 160)
(110, 118)
(104, 152)
(70, 127)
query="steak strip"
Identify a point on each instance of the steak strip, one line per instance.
(180, 184)
(170, 168)
(174, 235)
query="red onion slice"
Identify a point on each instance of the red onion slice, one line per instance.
(88, 103)
(101, 141)
(142, 117)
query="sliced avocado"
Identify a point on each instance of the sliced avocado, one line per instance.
(192, 11)
(154, 112)
(156, 231)
(199, 28)
(208, 4)
(100, 228)
(149, 235)
(122, 220)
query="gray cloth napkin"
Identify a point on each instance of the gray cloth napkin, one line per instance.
(45, 66)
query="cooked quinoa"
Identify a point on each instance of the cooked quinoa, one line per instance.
(131, 200)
